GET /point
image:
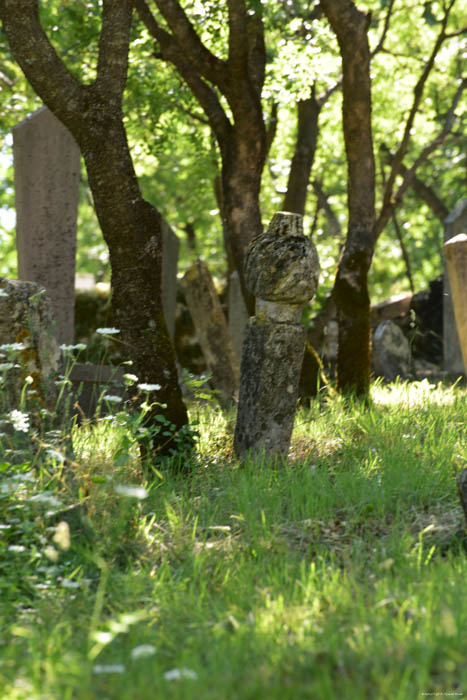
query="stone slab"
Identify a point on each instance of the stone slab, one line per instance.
(454, 224)
(47, 173)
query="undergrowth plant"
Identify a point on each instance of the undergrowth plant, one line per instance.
(340, 572)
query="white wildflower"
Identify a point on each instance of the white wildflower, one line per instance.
(112, 398)
(12, 347)
(107, 331)
(108, 668)
(143, 651)
(177, 674)
(130, 379)
(132, 491)
(62, 535)
(51, 553)
(149, 387)
(19, 421)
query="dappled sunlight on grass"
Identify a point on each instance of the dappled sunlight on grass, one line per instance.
(337, 573)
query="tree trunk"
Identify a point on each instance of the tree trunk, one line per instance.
(132, 230)
(351, 286)
(241, 183)
(307, 137)
(131, 226)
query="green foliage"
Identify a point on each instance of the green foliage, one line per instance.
(174, 151)
(339, 574)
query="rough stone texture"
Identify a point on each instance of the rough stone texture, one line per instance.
(170, 250)
(47, 172)
(26, 318)
(456, 262)
(454, 224)
(271, 363)
(212, 330)
(391, 355)
(238, 314)
(281, 269)
(281, 264)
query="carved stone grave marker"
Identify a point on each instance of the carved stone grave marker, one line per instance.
(47, 171)
(454, 224)
(281, 270)
(456, 262)
(212, 330)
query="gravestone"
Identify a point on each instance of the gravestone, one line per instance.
(455, 251)
(212, 331)
(47, 172)
(26, 321)
(281, 271)
(238, 314)
(454, 224)
(390, 356)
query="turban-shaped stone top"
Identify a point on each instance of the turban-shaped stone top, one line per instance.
(281, 265)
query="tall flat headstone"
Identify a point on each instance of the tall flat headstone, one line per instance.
(281, 270)
(455, 251)
(170, 250)
(47, 172)
(454, 224)
(212, 330)
(238, 314)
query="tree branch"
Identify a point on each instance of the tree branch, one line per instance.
(114, 40)
(238, 43)
(426, 193)
(387, 20)
(170, 51)
(38, 59)
(428, 150)
(204, 61)
(387, 209)
(402, 150)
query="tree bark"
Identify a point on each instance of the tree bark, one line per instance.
(242, 136)
(131, 226)
(351, 285)
(302, 161)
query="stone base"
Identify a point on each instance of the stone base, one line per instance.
(271, 362)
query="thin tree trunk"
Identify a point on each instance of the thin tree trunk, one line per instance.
(351, 285)
(302, 161)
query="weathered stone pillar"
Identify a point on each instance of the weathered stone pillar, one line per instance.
(212, 330)
(454, 224)
(47, 171)
(456, 262)
(281, 270)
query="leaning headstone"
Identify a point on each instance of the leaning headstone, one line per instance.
(456, 262)
(28, 348)
(47, 172)
(238, 314)
(212, 331)
(281, 271)
(454, 224)
(170, 250)
(391, 356)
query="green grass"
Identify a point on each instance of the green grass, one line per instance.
(341, 574)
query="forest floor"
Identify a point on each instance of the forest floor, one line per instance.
(339, 574)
